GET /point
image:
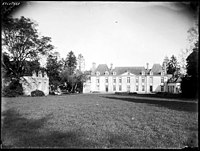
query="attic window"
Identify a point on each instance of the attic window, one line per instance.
(97, 73)
(106, 73)
(162, 73)
(143, 72)
(151, 73)
(114, 73)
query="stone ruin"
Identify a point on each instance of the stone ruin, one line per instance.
(34, 82)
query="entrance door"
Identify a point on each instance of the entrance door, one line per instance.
(106, 88)
(151, 88)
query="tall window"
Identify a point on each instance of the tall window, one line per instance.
(128, 79)
(143, 88)
(114, 87)
(137, 80)
(114, 80)
(120, 80)
(97, 87)
(142, 79)
(106, 80)
(162, 79)
(128, 88)
(120, 87)
(97, 80)
(137, 88)
(162, 88)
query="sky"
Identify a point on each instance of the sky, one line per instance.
(121, 33)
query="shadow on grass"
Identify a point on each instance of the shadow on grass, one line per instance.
(19, 132)
(174, 105)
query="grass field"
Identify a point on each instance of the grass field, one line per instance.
(98, 121)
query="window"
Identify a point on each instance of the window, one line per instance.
(114, 88)
(106, 88)
(128, 88)
(128, 79)
(97, 87)
(151, 80)
(97, 73)
(97, 80)
(137, 88)
(151, 73)
(151, 88)
(162, 88)
(120, 80)
(106, 80)
(114, 80)
(162, 79)
(120, 87)
(143, 72)
(143, 88)
(142, 79)
(137, 80)
(106, 73)
(114, 73)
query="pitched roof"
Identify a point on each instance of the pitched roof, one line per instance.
(175, 80)
(133, 70)
(156, 69)
(102, 68)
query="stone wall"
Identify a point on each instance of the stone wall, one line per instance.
(34, 82)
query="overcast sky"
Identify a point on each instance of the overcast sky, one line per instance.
(122, 33)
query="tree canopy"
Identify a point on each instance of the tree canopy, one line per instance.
(172, 66)
(53, 68)
(71, 62)
(21, 42)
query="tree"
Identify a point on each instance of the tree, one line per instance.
(81, 62)
(192, 62)
(189, 84)
(53, 68)
(21, 42)
(71, 62)
(173, 67)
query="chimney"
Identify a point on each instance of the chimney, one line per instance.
(93, 65)
(111, 66)
(147, 66)
(165, 67)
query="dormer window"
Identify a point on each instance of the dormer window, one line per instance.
(114, 73)
(97, 73)
(162, 73)
(151, 73)
(106, 73)
(143, 73)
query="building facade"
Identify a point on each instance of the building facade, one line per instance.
(128, 79)
(34, 82)
(174, 85)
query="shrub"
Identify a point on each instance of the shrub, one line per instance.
(37, 93)
(14, 89)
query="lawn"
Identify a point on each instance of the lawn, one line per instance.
(98, 121)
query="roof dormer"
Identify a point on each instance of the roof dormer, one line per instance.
(151, 73)
(97, 73)
(143, 73)
(114, 73)
(106, 73)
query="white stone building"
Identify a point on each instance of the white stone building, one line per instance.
(128, 79)
(34, 82)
